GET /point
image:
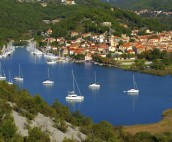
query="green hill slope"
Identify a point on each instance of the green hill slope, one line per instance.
(144, 4)
(24, 20)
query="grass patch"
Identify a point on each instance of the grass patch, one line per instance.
(163, 126)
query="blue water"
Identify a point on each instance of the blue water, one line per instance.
(108, 103)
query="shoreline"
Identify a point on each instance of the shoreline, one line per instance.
(148, 71)
(126, 67)
(164, 125)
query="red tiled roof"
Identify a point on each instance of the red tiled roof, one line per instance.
(128, 44)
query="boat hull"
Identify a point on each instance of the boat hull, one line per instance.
(10, 83)
(75, 98)
(18, 79)
(51, 62)
(2, 78)
(94, 85)
(133, 91)
(48, 82)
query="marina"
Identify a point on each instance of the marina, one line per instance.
(108, 103)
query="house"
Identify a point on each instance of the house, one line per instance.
(51, 39)
(53, 48)
(85, 35)
(65, 50)
(108, 24)
(101, 38)
(58, 39)
(148, 31)
(143, 39)
(134, 32)
(125, 38)
(126, 46)
(131, 51)
(72, 2)
(117, 38)
(88, 57)
(68, 2)
(102, 55)
(55, 21)
(74, 46)
(154, 40)
(103, 48)
(149, 46)
(78, 40)
(162, 47)
(165, 37)
(139, 48)
(46, 21)
(112, 48)
(77, 51)
(111, 41)
(73, 34)
(44, 4)
(92, 49)
(49, 31)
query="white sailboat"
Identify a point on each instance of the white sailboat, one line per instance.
(134, 89)
(10, 82)
(49, 55)
(2, 74)
(94, 85)
(35, 51)
(48, 81)
(51, 62)
(20, 76)
(71, 94)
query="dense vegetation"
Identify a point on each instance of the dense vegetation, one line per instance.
(12, 98)
(161, 62)
(25, 20)
(143, 4)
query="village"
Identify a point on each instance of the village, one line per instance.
(88, 44)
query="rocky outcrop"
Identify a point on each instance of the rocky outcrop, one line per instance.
(47, 125)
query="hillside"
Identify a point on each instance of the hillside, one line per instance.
(25, 20)
(143, 4)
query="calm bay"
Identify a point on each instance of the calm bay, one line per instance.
(108, 103)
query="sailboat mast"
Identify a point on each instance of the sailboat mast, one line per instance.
(10, 79)
(48, 74)
(20, 71)
(95, 76)
(0, 69)
(133, 82)
(73, 80)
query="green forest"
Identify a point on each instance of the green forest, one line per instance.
(144, 4)
(25, 20)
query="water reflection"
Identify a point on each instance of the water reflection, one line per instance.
(93, 89)
(94, 92)
(134, 96)
(88, 64)
(48, 85)
(36, 59)
(74, 104)
(19, 83)
(133, 93)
